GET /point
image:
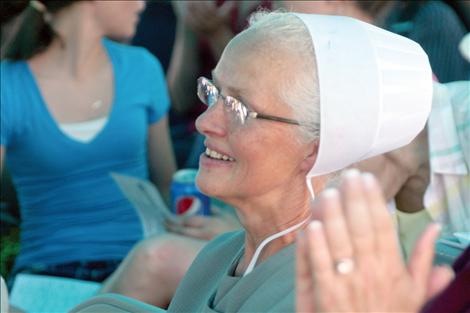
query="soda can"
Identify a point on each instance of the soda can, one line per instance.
(186, 199)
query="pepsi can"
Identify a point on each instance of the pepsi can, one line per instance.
(186, 199)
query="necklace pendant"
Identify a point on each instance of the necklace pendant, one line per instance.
(97, 104)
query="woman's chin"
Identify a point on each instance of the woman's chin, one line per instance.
(211, 187)
(205, 184)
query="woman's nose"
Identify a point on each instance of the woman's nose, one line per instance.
(212, 121)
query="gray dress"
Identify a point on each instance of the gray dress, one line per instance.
(210, 286)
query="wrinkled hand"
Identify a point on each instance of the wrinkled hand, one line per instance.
(354, 224)
(205, 227)
(204, 17)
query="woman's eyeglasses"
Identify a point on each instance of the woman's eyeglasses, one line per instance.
(209, 95)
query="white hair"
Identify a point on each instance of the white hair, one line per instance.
(300, 89)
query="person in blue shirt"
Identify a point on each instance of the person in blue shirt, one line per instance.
(75, 107)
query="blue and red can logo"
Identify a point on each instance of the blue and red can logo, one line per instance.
(186, 199)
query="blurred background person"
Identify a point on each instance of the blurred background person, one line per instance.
(203, 29)
(433, 24)
(76, 106)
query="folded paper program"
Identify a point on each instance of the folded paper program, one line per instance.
(147, 201)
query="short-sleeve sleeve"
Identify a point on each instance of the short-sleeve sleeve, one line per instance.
(159, 98)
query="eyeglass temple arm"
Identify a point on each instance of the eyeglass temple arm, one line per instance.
(273, 118)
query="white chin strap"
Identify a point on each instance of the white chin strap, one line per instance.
(310, 187)
(258, 250)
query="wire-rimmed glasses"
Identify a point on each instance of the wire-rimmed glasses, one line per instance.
(209, 94)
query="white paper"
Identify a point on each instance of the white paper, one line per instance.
(147, 201)
(38, 293)
(3, 296)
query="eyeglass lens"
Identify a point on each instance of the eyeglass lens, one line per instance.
(209, 94)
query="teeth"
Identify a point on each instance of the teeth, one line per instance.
(215, 155)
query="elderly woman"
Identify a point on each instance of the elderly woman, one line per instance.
(264, 135)
(293, 97)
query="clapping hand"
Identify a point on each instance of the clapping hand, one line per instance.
(349, 259)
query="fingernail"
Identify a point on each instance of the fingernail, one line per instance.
(353, 172)
(330, 193)
(315, 225)
(369, 179)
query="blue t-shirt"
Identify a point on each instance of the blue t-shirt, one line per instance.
(71, 209)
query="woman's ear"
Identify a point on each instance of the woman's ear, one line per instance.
(311, 157)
